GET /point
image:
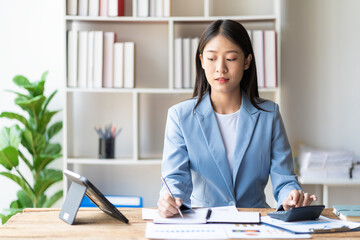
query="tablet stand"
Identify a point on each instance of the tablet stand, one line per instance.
(72, 202)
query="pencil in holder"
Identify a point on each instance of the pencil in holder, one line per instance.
(106, 148)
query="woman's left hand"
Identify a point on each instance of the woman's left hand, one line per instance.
(297, 198)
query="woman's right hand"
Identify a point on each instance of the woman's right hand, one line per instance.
(167, 206)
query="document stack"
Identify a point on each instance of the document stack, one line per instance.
(320, 164)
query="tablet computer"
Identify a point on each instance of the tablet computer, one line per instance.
(93, 194)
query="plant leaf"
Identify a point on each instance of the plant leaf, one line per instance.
(33, 141)
(35, 88)
(53, 199)
(11, 212)
(15, 116)
(20, 182)
(32, 106)
(43, 160)
(54, 129)
(24, 200)
(47, 178)
(44, 75)
(27, 162)
(21, 81)
(9, 157)
(48, 100)
(19, 94)
(10, 137)
(44, 121)
(41, 201)
(52, 149)
(8, 213)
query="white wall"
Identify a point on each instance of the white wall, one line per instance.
(31, 42)
(320, 81)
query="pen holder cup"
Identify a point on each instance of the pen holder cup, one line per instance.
(106, 148)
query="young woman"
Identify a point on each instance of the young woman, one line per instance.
(221, 146)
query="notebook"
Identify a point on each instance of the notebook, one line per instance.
(347, 212)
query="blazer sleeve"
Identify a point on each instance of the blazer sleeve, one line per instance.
(282, 173)
(175, 164)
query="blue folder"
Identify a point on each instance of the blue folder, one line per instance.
(117, 201)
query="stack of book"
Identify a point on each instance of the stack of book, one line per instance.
(347, 212)
(264, 46)
(95, 60)
(153, 8)
(321, 164)
(185, 71)
(94, 8)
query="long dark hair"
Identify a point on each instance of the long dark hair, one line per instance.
(236, 33)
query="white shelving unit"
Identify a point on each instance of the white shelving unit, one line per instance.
(325, 184)
(141, 111)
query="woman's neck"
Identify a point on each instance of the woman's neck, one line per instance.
(226, 103)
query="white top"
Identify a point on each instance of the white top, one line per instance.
(228, 128)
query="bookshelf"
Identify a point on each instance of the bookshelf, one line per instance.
(141, 111)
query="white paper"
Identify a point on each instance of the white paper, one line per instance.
(230, 214)
(195, 217)
(307, 226)
(149, 213)
(187, 231)
(259, 231)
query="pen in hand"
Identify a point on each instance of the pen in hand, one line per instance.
(172, 196)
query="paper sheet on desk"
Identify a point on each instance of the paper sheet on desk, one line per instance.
(228, 214)
(307, 226)
(216, 231)
(197, 216)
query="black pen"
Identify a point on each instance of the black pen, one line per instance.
(172, 196)
(208, 213)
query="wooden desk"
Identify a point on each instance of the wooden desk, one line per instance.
(91, 223)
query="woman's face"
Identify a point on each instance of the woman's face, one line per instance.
(224, 64)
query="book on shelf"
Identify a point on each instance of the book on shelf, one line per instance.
(90, 60)
(186, 62)
(109, 39)
(270, 58)
(117, 201)
(178, 63)
(98, 59)
(143, 8)
(116, 8)
(83, 7)
(71, 7)
(258, 47)
(159, 8)
(83, 59)
(119, 65)
(72, 57)
(194, 45)
(129, 64)
(94, 6)
(347, 212)
(167, 8)
(103, 8)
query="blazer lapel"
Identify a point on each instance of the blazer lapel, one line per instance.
(211, 132)
(247, 121)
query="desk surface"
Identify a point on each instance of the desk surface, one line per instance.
(92, 223)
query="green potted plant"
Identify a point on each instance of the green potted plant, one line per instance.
(30, 142)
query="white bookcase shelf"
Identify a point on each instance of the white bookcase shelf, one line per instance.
(141, 111)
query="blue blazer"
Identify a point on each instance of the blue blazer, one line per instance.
(195, 164)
